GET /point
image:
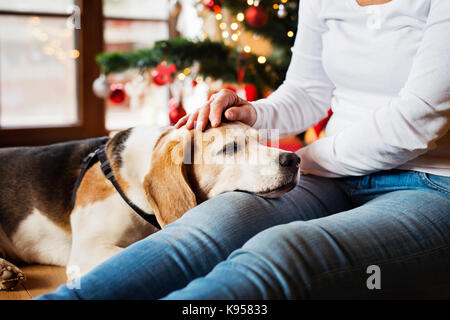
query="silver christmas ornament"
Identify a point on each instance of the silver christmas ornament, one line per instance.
(101, 87)
(282, 12)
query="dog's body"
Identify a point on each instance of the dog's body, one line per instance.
(38, 224)
(35, 188)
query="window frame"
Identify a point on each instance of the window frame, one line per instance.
(91, 109)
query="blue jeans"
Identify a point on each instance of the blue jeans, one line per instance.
(317, 241)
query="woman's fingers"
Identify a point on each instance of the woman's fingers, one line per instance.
(224, 99)
(202, 119)
(212, 111)
(191, 120)
(182, 121)
(234, 114)
(245, 114)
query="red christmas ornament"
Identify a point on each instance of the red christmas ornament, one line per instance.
(251, 92)
(176, 111)
(164, 74)
(118, 94)
(213, 5)
(256, 16)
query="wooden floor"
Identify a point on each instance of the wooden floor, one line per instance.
(40, 279)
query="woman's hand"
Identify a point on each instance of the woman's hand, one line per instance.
(224, 102)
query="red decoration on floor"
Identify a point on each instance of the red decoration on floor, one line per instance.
(256, 16)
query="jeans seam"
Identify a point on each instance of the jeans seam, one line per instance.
(424, 177)
(383, 261)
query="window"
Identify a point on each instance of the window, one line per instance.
(47, 65)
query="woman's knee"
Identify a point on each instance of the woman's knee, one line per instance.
(287, 237)
(287, 258)
(224, 222)
(226, 208)
(275, 261)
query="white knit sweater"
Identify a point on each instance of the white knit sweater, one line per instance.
(384, 70)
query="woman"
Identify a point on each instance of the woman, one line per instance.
(371, 214)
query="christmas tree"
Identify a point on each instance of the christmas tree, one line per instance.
(243, 46)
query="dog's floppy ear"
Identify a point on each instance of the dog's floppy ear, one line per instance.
(166, 185)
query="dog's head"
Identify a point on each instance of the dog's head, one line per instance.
(179, 168)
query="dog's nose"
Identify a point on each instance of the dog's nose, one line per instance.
(289, 160)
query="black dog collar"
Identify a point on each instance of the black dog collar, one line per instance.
(100, 155)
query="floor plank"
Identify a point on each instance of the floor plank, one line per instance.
(19, 293)
(40, 279)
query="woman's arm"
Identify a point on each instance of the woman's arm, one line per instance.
(406, 128)
(305, 96)
(303, 99)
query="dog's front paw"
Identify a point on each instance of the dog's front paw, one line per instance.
(10, 275)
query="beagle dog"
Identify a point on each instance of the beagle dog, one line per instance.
(163, 171)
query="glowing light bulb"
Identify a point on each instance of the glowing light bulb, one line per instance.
(35, 20)
(75, 54)
(240, 17)
(247, 49)
(219, 16)
(234, 37)
(290, 34)
(234, 26)
(262, 59)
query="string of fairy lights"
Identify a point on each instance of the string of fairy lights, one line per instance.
(231, 32)
(226, 54)
(53, 41)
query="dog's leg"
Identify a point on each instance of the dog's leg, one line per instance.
(10, 275)
(83, 260)
(100, 230)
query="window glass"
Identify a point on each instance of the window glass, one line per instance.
(59, 6)
(124, 35)
(137, 9)
(37, 71)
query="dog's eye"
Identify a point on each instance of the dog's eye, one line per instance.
(229, 149)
